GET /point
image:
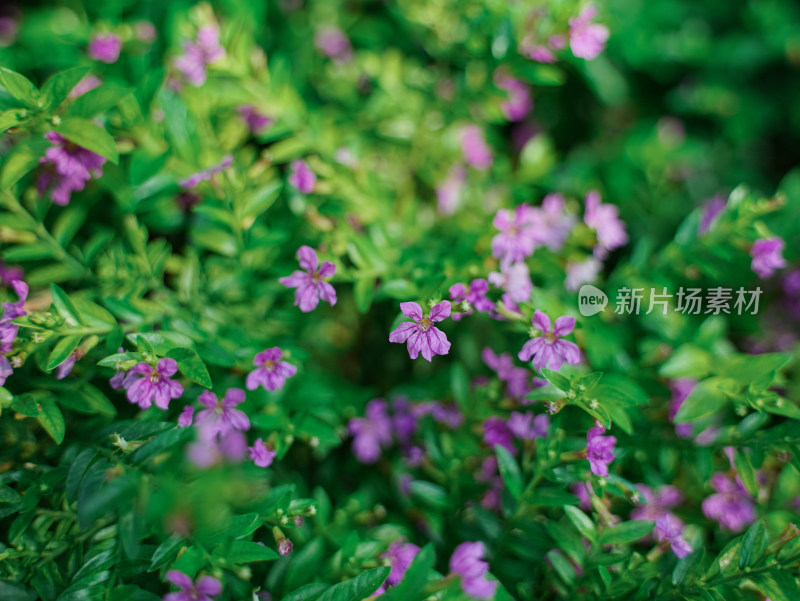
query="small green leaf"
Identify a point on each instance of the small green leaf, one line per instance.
(358, 588)
(753, 545)
(240, 551)
(364, 292)
(687, 361)
(22, 159)
(90, 136)
(416, 577)
(56, 89)
(509, 471)
(9, 495)
(707, 398)
(52, 420)
(626, 532)
(34, 251)
(11, 118)
(97, 101)
(430, 494)
(562, 566)
(550, 496)
(165, 552)
(19, 86)
(747, 474)
(557, 380)
(582, 522)
(191, 366)
(62, 350)
(64, 306)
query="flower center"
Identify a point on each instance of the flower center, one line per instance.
(315, 277)
(154, 377)
(269, 365)
(425, 324)
(219, 409)
(550, 338)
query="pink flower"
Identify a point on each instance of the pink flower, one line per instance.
(474, 148)
(767, 256)
(105, 47)
(549, 349)
(206, 587)
(261, 455)
(551, 223)
(272, 373)
(154, 384)
(450, 191)
(310, 285)
(371, 432)
(65, 368)
(496, 432)
(518, 236)
(731, 505)
(399, 556)
(587, 40)
(599, 450)
(186, 417)
(468, 563)
(519, 102)
(604, 219)
(528, 427)
(197, 55)
(301, 177)
(333, 43)
(515, 281)
(219, 417)
(475, 295)
(67, 168)
(581, 273)
(670, 529)
(421, 334)
(517, 379)
(254, 119)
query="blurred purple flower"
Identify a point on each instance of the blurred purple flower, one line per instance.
(404, 422)
(551, 223)
(197, 55)
(517, 379)
(88, 83)
(310, 285)
(206, 587)
(219, 417)
(527, 426)
(105, 47)
(767, 256)
(467, 561)
(515, 281)
(399, 556)
(599, 450)
(67, 168)
(517, 238)
(585, 272)
(421, 334)
(154, 384)
(9, 273)
(270, 372)
(301, 176)
(519, 102)
(202, 176)
(681, 389)
(261, 455)
(549, 350)
(586, 39)
(670, 529)
(475, 295)
(731, 506)
(604, 219)
(186, 417)
(333, 43)
(449, 192)
(65, 368)
(371, 432)
(253, 118)
(497, 432)
(710, 210)
(477, 153)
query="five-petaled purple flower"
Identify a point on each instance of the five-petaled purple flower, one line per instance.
(154, 384)
(422, 336)
(731, 505)
(467, 561)
(67, 168)
(105, 47)
(549, 350)
(219, 417)
(310, 285)
(261, 454)
(199, 54)
(371, 432)
(586, 39)
(604, 219)
(301, 177)
(270, 372)
(767, 256)
(599, 450)
(206, 587)
(475, 295)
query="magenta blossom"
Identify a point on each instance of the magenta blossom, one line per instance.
(205, 453)
(670, 529)
(105, 47)
(261, 454)
(550, 350)
(599, 450)
(468, 563)
(65, 368)
(219, 417)
(710, 210)
(270, 372)
(301, 177)
(475, 295)
(767, 256)
(527, 426)
(551, 223)
(604, 219)
(515, 281)
(586, 39)
(9, 273)
(186, 417)
(333, 43)
(67, 168)
(371, 432)
(497, 432)
(731, 505)
(659, 502)
(310, 285)
(519, 102)
(477, 153)
(517, 379)
(399, 556)
(197, 55)
(449, 193)
(518, 236)
(255, 121)
(154, 383)
(421, 334)
(206, 587)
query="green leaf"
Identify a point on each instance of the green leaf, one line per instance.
(241, 551)
(165, 552)
(582, 522)
(753, 544)
(778, 585)
(626, 532)
(745, 369)
(549, 496)
(19, 86)
(707, 398)
(562, 566)
(117, 358)
(430, 494)
(22, 159)
(309, 592)
(68, 224)
(358, 588)
(557, 380)
(94, 315)
(62, 350)
(90, 136)
(747, 474)
(415, 578)
(52, 420)
(364, 292)
(191, 366)
(97, 101)
(34, 251)
(56, 89)
(96, 400)
(11, 118)
(687, 361)
(65, 307)
(509, 471)
(9, 495)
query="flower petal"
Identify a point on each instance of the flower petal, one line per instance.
(412, 310)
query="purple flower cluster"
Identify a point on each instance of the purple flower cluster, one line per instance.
(550, 350)
(105, 47)
(599, 450)
(67, 168)
(271, 372)
(467, 561)
(221, 416)
(657, 509)
(8, 330)
(514, 280)
(309, 284)
(371, 432)
(197, 55)
(475, 295)
(517, 379)
(421, 335)
(731, 505)
(519, 102)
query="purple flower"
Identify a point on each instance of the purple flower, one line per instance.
(9, 330)
(517, 379)
(474, 148)
(154, 384)
(681, 389)
(121, 379)
(670, 529)
(515, 281)
(144, 31)
(731, 506)
(199, 54)
(206, 587)
(67, 168)
(65, 368)
(301, 177)
(599, 450)
(310, 285)
(271, 372)
(202, 176)
(105, 47)
(497, 432)
(333, 43)
(710, 210)
(253, 118)
(399, 556)
(88, 83)
(550, 350)
(581, 273)
(5, 369)
(205, 453)
(186, 417)
(527, 426)
(285, 546)
(421, 334)
(517, 238)
(10, 273)
(586, 39)
(604, 219)
(767, 256)
(371, 432)
(475, 295)
(447, 414)
(450, 191)
(467, 561)
(551, 224)
(404, 421)
(519, 102)
(219, 417)
(659, 502)
(261, 455)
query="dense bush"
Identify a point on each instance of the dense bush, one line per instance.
(295, 306)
